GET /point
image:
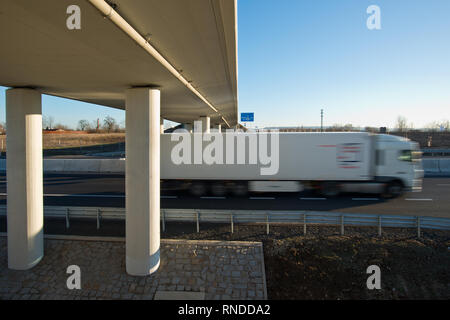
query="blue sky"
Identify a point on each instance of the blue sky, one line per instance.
(297, 57)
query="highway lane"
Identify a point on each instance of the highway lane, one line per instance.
(108, 191)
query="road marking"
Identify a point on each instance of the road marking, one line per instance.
(218, 198)
(419, 199)
(313, 198)
(169, 197)
(262, 198)
(443, 185)
(365, 199)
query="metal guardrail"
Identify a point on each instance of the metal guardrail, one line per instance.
(440, 152)
(254, 216)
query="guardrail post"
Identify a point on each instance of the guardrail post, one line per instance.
(304, 224)
(342, 225)
(379, 226)
(198, 222)
(267, 224)
(67, 218)
(98, 218)
(163, 220)
(232, 224)
(418, 227)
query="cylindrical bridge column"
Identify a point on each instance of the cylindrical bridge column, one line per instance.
(203, 125)
(142, 180)
(24, 178)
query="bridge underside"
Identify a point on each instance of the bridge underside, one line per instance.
(171, 59)
(99, 62)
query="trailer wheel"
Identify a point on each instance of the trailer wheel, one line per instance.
(393, 189)
(330, 189)
(240, 189)
(198, 189)
(219, 189)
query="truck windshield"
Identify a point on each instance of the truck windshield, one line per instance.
(410, 155)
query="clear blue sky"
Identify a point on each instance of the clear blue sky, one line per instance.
(296, 57)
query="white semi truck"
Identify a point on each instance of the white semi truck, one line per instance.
(238, 163)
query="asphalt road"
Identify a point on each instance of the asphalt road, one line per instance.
(108, 191)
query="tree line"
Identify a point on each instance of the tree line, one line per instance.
(108, 124)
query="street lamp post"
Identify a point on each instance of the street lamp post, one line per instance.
(321, 120)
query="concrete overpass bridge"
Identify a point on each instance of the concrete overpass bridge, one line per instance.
(171, 59)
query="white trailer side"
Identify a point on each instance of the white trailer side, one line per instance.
(302, 157)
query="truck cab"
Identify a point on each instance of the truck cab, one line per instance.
(398, 163)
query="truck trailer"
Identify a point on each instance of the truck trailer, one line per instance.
(237, 163)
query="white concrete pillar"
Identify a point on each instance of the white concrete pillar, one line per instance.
(188, 127)
(218, 128)
(205, 123)
(25, 212)
(142, 179)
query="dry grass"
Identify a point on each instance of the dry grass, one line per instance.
(71, 140)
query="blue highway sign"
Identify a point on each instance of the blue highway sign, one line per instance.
(247, 117)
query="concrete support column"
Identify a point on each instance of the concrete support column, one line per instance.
(24, 178)
(218, 128)
(205, 125)
(188, 126)
(142, 179)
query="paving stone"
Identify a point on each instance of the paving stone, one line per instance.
(231, 271)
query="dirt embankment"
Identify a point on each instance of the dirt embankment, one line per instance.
(335, 267)
(325, 265)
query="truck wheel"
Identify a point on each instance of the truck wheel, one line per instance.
(240, 189)
(393, 189)
(330, 189)
(198, 189)
(218, 189)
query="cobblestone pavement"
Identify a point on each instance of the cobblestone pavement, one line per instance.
(222, 270)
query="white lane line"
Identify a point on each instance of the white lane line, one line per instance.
(365, 199)
(214, 198)
(262, 198)
(313, 199)
(419, 199)
(169, 197)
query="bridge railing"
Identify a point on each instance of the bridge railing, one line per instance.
(266, 217)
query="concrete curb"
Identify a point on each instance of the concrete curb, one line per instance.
(264, 273)
(163, 241)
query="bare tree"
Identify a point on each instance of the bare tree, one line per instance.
(434, 126)
(47, 122)
(401, 124)
(445, 125)
(83, 125)
(109, 124)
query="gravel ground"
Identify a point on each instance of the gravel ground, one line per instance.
(325, 265)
